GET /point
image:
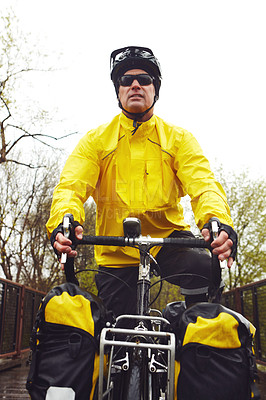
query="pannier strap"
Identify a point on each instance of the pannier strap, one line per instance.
(33, 347)
(253, 375)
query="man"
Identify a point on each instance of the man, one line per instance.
(140, 166)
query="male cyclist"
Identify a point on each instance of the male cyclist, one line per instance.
(140, 166)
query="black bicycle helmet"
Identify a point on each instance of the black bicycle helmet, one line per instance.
(132, 57)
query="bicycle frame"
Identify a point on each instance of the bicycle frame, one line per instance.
(143, 299)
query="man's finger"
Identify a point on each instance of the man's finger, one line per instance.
(220, 240)
(230, 262)
(61, 239)
(206, 234)
(79, 232)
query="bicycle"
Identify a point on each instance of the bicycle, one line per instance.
(143, 357)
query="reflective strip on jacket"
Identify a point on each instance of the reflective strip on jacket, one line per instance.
(142, 174)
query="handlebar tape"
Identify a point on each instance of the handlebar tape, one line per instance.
(187, 242)
(122, 241)
(103, 240)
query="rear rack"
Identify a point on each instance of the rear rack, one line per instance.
(169, 347)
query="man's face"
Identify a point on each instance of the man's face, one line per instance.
(136, 98)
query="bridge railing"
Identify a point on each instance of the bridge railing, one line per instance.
(250, 301)
(18, 307)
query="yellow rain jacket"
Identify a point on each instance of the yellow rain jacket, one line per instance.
(142, 174)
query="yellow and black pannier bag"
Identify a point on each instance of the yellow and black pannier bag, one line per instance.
(64, 345)
(215, 358)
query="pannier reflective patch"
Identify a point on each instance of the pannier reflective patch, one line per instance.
(60, 393)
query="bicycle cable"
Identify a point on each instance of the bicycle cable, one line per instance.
(104, 272)
(175, 275)
(171, 276)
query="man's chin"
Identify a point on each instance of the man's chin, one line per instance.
(136, 108)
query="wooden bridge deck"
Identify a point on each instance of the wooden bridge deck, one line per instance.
(13, 383)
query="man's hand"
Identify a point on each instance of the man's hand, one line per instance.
(222, 246)
(62, 244)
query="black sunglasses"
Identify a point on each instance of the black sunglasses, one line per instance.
(143, 80)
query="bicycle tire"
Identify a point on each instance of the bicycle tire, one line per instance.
(136, 384)
(133, 388)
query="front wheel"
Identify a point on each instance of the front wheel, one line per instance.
(139, 383)
(133, 385)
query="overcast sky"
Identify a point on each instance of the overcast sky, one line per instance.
(212, 55)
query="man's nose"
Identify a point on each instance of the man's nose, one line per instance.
(135, 84)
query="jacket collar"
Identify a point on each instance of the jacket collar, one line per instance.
(144, 128)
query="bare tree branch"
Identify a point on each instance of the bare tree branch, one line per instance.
(35, 136)
(18, 59)
(6, 106)
(24, 164)
(21, 71)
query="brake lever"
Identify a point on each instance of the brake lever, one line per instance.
(69, 232)
(216, 264)
(215, 227)
(66, 233)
